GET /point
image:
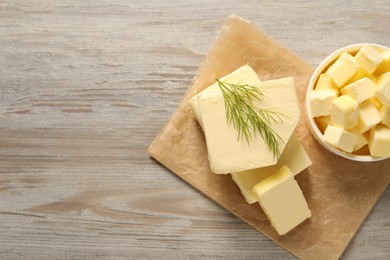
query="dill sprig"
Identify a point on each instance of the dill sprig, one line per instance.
(247, 119)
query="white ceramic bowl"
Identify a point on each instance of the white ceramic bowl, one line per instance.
(352, 49)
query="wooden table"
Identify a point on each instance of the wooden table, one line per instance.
(86, 86)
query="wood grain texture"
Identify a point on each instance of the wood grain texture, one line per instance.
(86, 85)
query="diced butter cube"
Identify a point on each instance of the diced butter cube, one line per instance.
(342, 69)
(360, 90)
(323, 122)
(382, 91)
(385, 65)
(368, 117)
(385, 114)
(320, 102)
(375, 101)
(226, 152)
(344, 112)
(294, 156)
(361, 73)
(282, 201)
(379, 142)
(362, 139)
(324, 82)
(340, 138)
(369, 58)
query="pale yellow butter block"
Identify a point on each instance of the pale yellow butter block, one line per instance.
(382, 91)
(368, 117)
(340, 138)
(226, 152)
(324, 82)
(344, 112)
(385, 114)
(385, 65)
(369, 58)
(320, 102)
(342, 69)
(361, 73)
(244, 72)
(362, 140)
(360, 90)
(376, 102)
(294, 156)
(282, 200)
(379, 143)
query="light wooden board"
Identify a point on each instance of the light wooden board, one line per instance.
(86, 85)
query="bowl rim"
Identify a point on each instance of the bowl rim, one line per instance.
(312, 124)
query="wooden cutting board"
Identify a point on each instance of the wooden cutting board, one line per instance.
(339, 192)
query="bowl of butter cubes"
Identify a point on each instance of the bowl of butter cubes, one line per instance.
(348, 102)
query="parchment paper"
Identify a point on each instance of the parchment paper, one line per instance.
(340, 193)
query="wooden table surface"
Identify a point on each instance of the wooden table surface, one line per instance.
(86, 86)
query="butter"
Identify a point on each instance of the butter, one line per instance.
(368, 117)
(344, 112)
(294, 156)
(361, 73)
(379, 143)
(385, 114)
(385, 65)
(342, 69)
(340, 138)
(361, 141)
(228, 154)
(320, 102)
(282, 200)
(369, 58)
(375, 101)
(360, 90)
(324, 82)
(382, 91)
(323, 122)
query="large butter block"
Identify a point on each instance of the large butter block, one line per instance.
(244, 72)
(344, 112)
(226, 152)
(382, 91)
(379, 142)
(369, 58)
(320, 102)
(342, 69)
(385, 114)
(324, 82)
(340, 138)
(385, 65)
(360, 90)
(282, 201)
(294, 156)
(368, 117)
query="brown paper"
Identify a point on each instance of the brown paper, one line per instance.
(339, 192)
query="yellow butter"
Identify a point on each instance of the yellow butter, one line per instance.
(324, 82)
(369, 58)
(360, 90)
(340, 138)
(385, 65)
(385, 114)
(379, 142)
(294, 156)
(344, 112)
(282, 200)
(320, 102)
(382, 90)
(342, 69)
(368, 117)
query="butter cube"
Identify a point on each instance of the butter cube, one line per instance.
(360, 90)
(294, 156)
(385, 114)
(385, 65)
(342, 69)
(376, 102)
(226, 152)
(361, 73)
(369, 58)
(368, 117)
(362, 139)
(340, 138)
(379, 143)
(382, 91)
(344, 112)
(324, 82)
(320, 102)
(282, 201)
